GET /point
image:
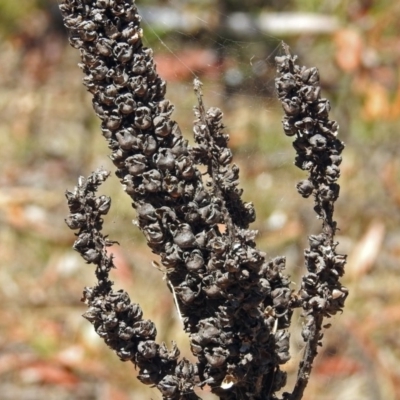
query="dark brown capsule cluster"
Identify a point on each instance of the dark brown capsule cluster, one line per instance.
(236, 306)
(318, 152)
(212, 151)
(118, 321)
(307, 118)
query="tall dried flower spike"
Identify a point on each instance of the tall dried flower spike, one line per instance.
(236, 305)
(318, 152)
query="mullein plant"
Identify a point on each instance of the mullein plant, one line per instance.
(236, 305)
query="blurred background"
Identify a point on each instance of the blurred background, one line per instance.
(49, 135)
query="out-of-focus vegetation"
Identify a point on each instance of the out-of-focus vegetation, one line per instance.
(49, 135)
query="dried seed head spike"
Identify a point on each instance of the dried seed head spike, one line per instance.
(318, 152)
(118, 321)
(212, 150)
(222, 282)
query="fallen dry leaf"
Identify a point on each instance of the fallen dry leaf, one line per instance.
(362, 258)
(338, 366)
(48, 373)
(349, 47)
(377, 104)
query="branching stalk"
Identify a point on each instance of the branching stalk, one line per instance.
(236, 306)
(318, 152)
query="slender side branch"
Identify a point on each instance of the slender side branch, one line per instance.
(212, 150)
(115, 319)
(318, 152)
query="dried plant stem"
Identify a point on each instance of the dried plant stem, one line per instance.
(213, 165)
(318, 152)
(118, 321)
(235, 305)
(310, 352)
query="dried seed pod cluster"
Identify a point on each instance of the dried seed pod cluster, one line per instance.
(236, 306)
(212, 151)
(318, 152)
(118, 321)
